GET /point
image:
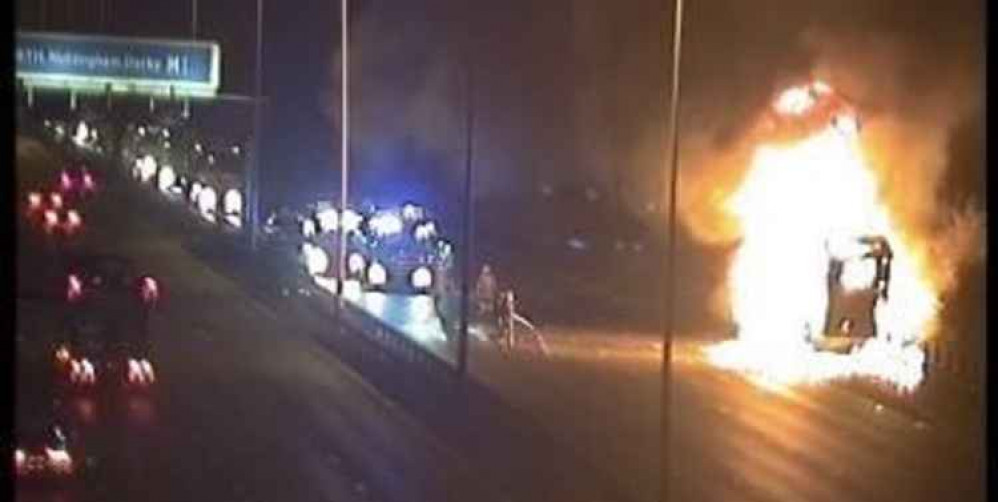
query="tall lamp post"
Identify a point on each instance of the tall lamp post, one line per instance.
(467, 223)
(194, 19)
(670, 259)
(344, 144)
(254, 178)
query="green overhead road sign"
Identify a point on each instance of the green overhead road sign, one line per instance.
(123, 65)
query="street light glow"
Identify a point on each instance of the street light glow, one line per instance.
(232, 202)
(412, 212)
(146, 168)
(377, 275)
(356, 263)
(308, 228)
(82, 133)
(422, 278)
(316, 260)
(196, 190)
(328, 218)
(351, 220)
(167, 178)
(207, 201)
(386, 224)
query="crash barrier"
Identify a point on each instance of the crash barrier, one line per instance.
(523, 459)
(399, 345)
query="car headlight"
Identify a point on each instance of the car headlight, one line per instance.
(207, 200)
(421, 278)
(377, 275)
(195, 191)
(308, 228)
(411, 212)
(59, 460)
(350, 221)
(316, 260)
(386, 224)
(328, 218)
(356, 263)
(232, 201)
(166, 179)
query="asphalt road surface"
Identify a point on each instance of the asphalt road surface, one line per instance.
(251, 408)
(599, 393)
(247, 406)
(733, 440)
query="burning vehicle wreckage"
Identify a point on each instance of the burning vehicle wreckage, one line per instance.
(822, 285)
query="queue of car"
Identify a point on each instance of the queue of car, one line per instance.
(103, 347)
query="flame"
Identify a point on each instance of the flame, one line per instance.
(801, 203)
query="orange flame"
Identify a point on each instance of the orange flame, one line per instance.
(798, 202)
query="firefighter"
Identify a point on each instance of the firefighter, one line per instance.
(446, 301)
(486, 290)
(507, 319)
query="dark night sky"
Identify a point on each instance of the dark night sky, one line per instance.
(566, 91)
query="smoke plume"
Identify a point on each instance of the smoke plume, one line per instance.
(915, 78)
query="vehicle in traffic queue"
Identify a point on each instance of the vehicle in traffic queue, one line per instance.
(400, 253)
(859, 273)
(109, 305)
(46, 452)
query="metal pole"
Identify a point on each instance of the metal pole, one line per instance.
(467, 224)
(194, 36)
(109, 10)
(254, 182)
(344, 143)
(194, 19)
(670, 263)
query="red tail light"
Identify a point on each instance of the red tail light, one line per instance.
(88, 182)
(59, 461)
(83, 372)
(65, 181)
(34, 200)
(150, 289)
(51, 219)
(75, 288)
(56, 200)
(147, 369)
(140, 373)
(62, 355)
(73, 219)
(134, 371)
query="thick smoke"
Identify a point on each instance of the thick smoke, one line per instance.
(916, 78)
(405, 91)
(575, 91)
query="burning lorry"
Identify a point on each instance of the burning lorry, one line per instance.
(858, 281)
(823, 284)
